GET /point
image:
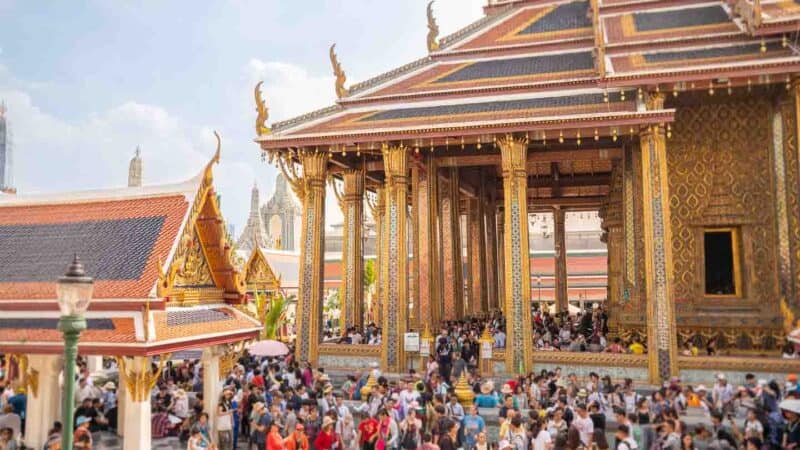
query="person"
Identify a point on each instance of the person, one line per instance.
(225, 420)
(670, 439)
(410, 429)
(472, 424)
(583, 423)
(326, 439)
(259, 425)
(11, 420)
(687, 442)
(346, 430)
(53, 441)
(388, 433)
(368, 433)
(181, 409)
(7, 441)
(427, 442)
(447, 441)
(541, 439)
(298, 439)
(487, 398)
(197, 441)
(790, 408)
(624, 439)
(274, 439)
(82, 438)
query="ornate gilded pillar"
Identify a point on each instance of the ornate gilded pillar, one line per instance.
(629, 205)
(427, 254)
(501, 262)
(661, 330)
(612, 215)
(477, 255)
(395, 303)
(453, 284)
(310, 188)
(379, 215)
(351, 202)
(560, 247)
(490, 220)
(519, 339)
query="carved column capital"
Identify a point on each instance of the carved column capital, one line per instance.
(514, 156)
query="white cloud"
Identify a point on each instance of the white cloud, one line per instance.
(289, 90)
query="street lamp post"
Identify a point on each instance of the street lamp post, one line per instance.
(74, 292)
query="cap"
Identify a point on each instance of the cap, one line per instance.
(791, 377)
(82, 420)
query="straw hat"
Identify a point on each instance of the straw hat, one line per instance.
(327, 421)
(487, 387)
(180, 393)
(327, 389)
(109, 386)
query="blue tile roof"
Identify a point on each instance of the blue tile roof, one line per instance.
(568, 16)
(688, 17)
(109, 249)
(531, 65)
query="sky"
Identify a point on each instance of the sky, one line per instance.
(87, 81)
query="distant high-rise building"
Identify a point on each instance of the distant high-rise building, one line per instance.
(6, 173)
(135, 169)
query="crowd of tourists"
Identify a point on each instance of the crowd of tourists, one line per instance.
(281, 404)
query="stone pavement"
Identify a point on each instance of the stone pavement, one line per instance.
(110, 441)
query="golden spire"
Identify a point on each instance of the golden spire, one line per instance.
(433, 30)
(207, 173)
(262, 110)
(341, 78)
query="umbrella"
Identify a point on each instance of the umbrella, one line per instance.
(268, 348)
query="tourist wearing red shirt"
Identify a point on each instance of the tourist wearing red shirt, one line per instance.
(368, 433)
(327, 438)
(274, 439)
(297, 440)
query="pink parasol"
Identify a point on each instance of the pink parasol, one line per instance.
(268, 348)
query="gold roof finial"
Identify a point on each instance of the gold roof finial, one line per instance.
(262, 112)
(433, 30)
(207, 175)
(341, 78)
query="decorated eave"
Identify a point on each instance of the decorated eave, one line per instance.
(545, 68)
(160, 258)
(259, 275)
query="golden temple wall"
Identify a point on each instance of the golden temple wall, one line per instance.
(722, 173)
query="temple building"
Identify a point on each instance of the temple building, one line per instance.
(281, 216)
(676, 121)
(135, 169)
(164, 282)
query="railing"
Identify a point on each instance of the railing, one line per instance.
(350, 350)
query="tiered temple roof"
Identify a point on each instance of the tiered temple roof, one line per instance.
(160, 257)
(566, 68)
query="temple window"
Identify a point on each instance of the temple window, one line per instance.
(722, 264)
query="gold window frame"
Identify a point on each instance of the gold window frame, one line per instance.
(736, 243)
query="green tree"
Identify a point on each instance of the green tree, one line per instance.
(275, 315)
(370, 275)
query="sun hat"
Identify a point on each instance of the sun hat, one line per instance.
(701, 388)
(506, 389)
(327, 421)
(258, 405)
(327, 389)
(109, 385)
(583, 393)
(180, 393)
(487, 387)
(792, 405)
(721, 376)
(82, 420)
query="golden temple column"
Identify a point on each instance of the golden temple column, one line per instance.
(395, 297)
(490, 219)
(560, 246)
(519, 336)
(351, 201)
(414, 225)
(378, 215)
(661, 330)
(427, 254)
(612, 214)
(476, 256)
(501, 261)
(452, 276)
(310, 187)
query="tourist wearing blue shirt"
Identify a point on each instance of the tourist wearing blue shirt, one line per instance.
(472, 424)
(487, 398)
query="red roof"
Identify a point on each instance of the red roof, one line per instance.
(120, 239)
